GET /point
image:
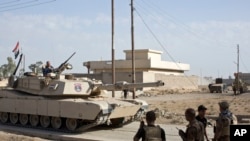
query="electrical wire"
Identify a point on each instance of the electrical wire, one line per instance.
(17, 4)
(183, 25)
(26, 6)
(153, 7)
(244, 64)
(5, 3)
(159, 42)
(145, 11)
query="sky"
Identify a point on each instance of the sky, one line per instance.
(202, 33)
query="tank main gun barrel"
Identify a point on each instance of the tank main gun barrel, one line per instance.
(62, 67)
(123, 85)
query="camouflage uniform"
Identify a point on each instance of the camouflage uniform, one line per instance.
(225, 119)
(222, 128)
(194, 132)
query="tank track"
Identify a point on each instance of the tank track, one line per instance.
(63, 129)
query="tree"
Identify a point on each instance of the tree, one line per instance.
(2, 70)
(11, 65)
(7, 69)
(37, 67)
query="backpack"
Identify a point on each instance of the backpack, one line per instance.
(152, 133)
(230, 117)
(227, 120)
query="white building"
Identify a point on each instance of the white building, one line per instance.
(146, 60)
(149, 67)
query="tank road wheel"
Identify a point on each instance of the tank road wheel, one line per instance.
(4, 117)
(71, 124)
(34, 120)
(45, 121)
(13, 118)
(24, 119)
(56, 122)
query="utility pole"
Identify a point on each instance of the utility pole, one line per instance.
(238, 67)
(112, 44)
(132, 45)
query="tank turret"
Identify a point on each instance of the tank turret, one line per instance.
(66, 85)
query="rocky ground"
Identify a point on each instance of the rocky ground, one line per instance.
(170, 107)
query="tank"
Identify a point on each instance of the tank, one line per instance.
(64, 103)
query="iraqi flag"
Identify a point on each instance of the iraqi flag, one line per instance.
(16, 50)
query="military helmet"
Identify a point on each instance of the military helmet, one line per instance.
(224, 104)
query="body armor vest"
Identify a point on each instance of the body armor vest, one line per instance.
(152, 133)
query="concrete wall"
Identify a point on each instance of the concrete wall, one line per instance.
(178, 82)
(205, 81)
(144, 54)
(97, 76)
(121, 76)
(171, 81)
(245, 77)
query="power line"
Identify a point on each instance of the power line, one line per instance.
(18, 3)
(26, 6)
(155, 12)
(141, 8)
(159, 42)
(183, 25)
(244, 64)
(5, 3)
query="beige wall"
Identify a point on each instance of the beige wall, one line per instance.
(171, 81)
(178, 82)
(122, 76)
(143, 54)
(141, 65)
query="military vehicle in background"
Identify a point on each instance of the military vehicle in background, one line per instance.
(218, 86)
(62, 102)
(239, 86)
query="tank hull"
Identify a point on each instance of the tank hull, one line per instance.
(62, 111)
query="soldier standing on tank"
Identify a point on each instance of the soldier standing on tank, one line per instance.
(150, 131)
(125, 92)
(225, 119)
(195, 129)
(47, 68)
(201, 118)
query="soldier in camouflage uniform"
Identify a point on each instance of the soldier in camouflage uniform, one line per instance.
(225, 119)
(195, 129)
(150, 132)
